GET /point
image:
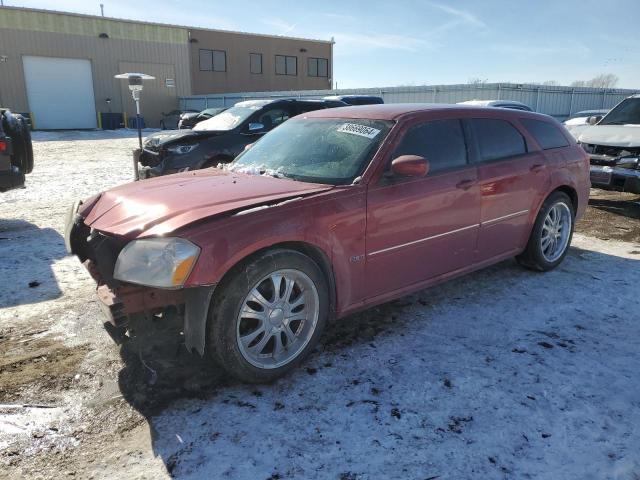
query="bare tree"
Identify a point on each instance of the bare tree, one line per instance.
(604, 80)
(477, 81)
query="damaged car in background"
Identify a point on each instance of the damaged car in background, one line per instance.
(332, 212)
(613, 145)
(220, 138)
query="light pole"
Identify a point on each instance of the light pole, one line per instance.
(135, 85)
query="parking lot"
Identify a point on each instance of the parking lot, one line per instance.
(501, 373)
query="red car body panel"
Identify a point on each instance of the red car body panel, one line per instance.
(381, 239)
(161, 205)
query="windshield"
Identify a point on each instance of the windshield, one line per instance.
(627, 112)
(319, 150)
(227, 120)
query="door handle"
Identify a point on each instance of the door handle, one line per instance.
(537, 167)
(465, 184)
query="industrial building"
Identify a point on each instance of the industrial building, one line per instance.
(59, 67)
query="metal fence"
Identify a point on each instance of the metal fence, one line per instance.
(559, 102)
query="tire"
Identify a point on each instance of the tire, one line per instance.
(541, 253)
(20, 134)
(28, 145)
(247, 346)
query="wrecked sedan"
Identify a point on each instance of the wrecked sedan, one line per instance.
(331, 213)
(221, 138)
(613, 145)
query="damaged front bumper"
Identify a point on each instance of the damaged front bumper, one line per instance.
(122, 301)
(621, 174)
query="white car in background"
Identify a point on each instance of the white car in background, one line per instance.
(512, 104)
(613, 145)
(577, 122)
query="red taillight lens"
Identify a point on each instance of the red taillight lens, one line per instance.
(3, 146)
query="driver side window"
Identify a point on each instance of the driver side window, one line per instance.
(441, 142)
(272, 118)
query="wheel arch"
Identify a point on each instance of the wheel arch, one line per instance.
(571, 193)
(312, 251)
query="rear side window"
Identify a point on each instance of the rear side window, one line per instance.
(497, 139)
(441, 142)
(546, 134)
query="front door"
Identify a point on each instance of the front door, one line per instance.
(419, 228)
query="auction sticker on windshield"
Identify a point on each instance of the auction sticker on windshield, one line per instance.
(361, 130)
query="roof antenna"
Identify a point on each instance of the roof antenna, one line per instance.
(102, 9)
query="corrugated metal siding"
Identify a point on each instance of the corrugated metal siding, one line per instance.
(105, 55)
(559, 102)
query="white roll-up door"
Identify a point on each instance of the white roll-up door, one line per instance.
(60, 92)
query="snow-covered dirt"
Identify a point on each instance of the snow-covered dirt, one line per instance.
(503, 373)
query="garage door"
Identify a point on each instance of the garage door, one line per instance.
(60, 92)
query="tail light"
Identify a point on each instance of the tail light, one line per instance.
(3, 146)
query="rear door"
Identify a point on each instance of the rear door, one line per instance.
(419, 228)
(511, 176)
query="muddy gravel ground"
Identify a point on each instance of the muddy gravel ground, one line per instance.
(501, 374)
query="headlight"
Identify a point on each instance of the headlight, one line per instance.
(180, 149)
(157, 262)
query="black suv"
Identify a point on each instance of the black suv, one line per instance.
(221, 138)
(16, 151)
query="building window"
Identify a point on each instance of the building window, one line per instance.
(213, 60)
(318, 67)
(286, 65)
(255, 62)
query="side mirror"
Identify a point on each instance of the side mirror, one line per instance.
(410, 166)
(593, 120)
(256, 127)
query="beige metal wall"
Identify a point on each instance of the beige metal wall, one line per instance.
(238, 77)
(157, 99)
(25, 32)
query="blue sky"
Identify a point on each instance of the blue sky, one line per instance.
(385, 43)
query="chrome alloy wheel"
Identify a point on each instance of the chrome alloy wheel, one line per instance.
(556, 231)
(277, 318)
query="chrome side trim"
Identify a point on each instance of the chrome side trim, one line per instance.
(395, 247)
(505, 217)
(440, 235)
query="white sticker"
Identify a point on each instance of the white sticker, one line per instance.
(361, 130)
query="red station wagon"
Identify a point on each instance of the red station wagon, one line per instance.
(332, 212)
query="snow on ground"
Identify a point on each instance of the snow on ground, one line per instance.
(503, 373)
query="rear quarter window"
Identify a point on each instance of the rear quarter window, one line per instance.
(497, 139)
(546, 134)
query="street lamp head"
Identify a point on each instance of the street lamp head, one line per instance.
(135, 85)
(135, 80)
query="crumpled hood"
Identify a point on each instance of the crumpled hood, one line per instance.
(161, 205)
(612, 135)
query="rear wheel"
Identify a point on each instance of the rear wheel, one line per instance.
(268, 315)
(551, 234)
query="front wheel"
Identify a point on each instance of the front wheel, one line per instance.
(551, 235)
(268, 315)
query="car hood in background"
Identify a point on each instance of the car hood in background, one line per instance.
(166, 136)
(612, 135)
(164, 204)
